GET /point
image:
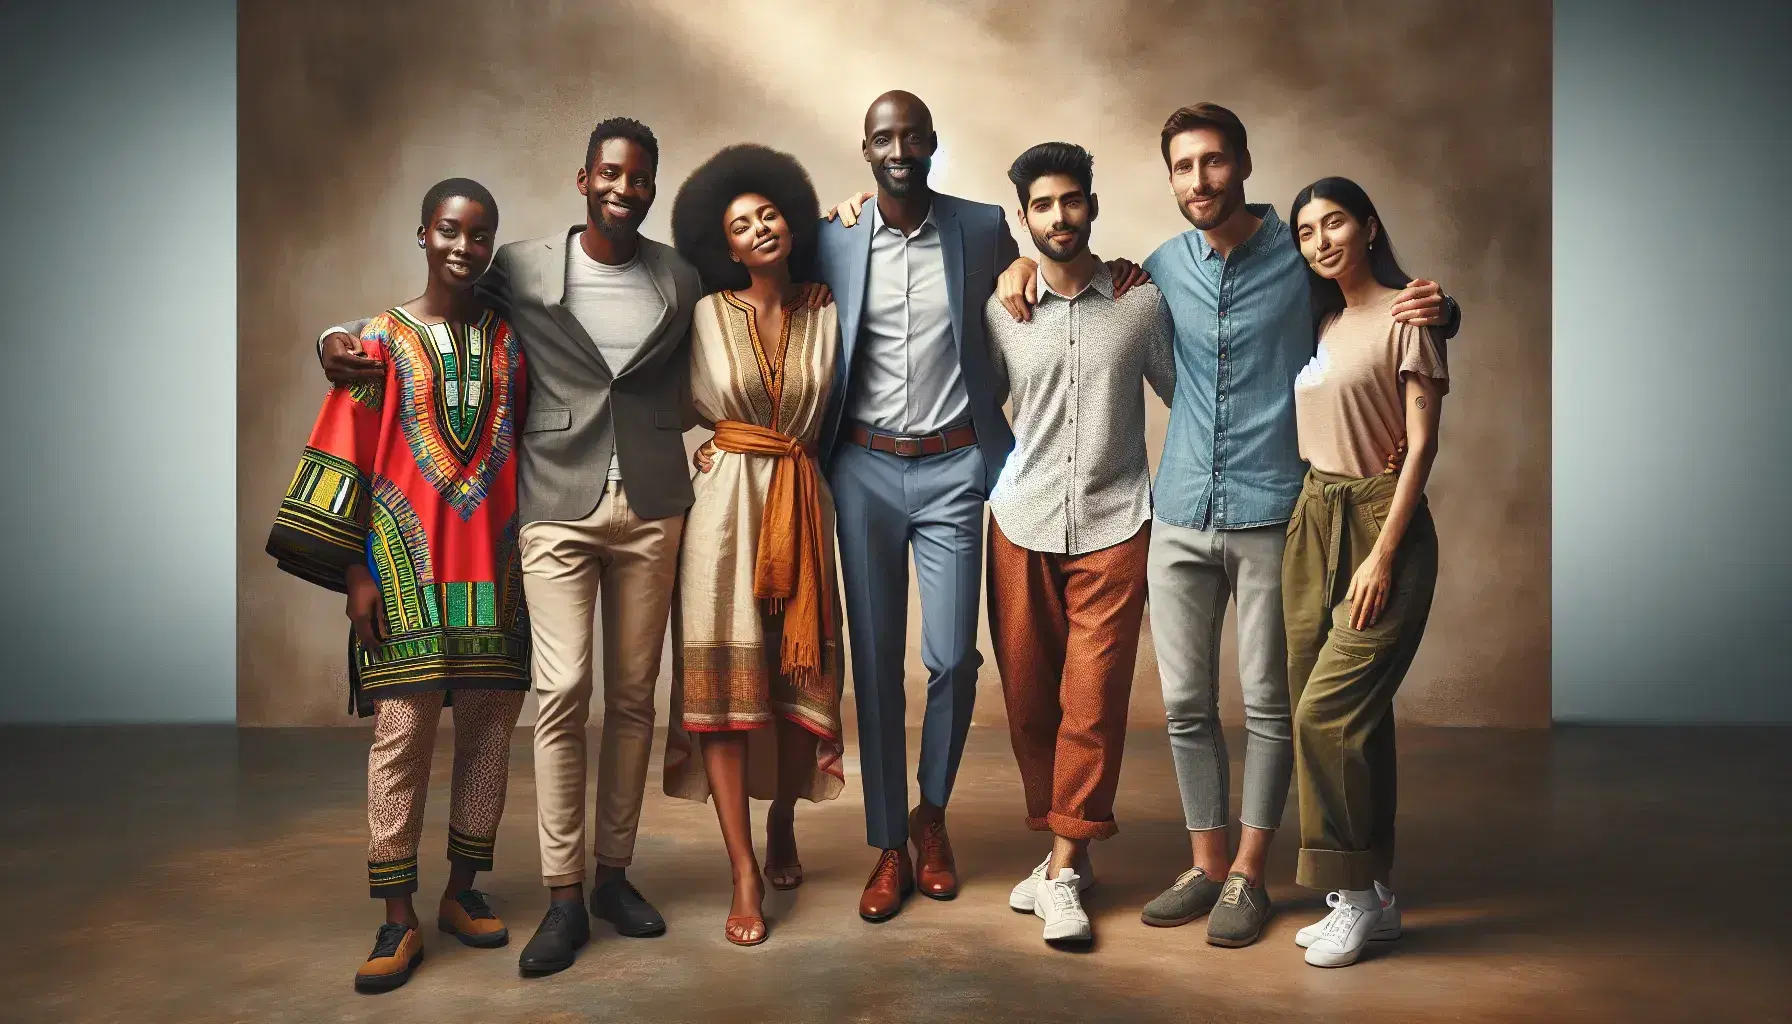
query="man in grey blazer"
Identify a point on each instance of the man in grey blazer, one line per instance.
(914, 440)
(604, 318)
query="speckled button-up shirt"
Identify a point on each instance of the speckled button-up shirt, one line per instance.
(1078, 479)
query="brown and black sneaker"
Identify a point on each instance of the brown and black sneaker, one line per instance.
(397, 950)
(469, 918)
(1240, 914)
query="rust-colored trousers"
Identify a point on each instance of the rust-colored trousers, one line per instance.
(1066, 633)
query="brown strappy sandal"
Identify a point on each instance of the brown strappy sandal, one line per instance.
(782, 876)
(745, 923)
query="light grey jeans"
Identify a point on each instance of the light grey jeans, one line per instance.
(1192, 574)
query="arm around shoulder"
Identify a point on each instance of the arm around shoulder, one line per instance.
(1160, 357)
(1452, 319)
(1006, 249)
(493, 287)
(353, 329)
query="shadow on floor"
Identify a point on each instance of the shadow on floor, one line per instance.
(193, 874)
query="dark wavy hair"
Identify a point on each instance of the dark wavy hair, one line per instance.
(1328, 298)
(697, 229)
(1066, 158)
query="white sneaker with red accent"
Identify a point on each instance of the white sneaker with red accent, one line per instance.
(1386, 931)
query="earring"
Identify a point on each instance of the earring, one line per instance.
(420, 244)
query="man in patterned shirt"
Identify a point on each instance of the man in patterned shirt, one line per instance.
(1071, 524)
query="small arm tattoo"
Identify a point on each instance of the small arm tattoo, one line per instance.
(1419, 401)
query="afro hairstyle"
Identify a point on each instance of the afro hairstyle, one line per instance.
(703, 199)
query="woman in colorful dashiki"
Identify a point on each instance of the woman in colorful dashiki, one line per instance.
(756, 673)
(405, 499)
(1361, 561)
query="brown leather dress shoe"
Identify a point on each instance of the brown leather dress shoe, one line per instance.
(936, 873)
(890, 883)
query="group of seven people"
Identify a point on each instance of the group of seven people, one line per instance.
(501, 461)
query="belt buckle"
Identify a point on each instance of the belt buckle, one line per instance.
(907, 447)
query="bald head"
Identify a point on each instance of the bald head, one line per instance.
(899, 144)
(898, 107)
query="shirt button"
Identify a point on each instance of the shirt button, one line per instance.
(1216, 474)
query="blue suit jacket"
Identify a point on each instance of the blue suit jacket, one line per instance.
(977, 246)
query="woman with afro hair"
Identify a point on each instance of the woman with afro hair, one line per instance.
(756, 654)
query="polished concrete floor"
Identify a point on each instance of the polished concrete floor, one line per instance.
(169, 874)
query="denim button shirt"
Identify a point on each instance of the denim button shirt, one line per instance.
(1244, 330)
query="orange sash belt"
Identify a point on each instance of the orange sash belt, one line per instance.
(790, 566)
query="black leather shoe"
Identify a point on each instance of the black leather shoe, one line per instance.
(557, 941)
(620, 903)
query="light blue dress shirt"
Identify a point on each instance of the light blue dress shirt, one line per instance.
(909, 380)
(1244, 330)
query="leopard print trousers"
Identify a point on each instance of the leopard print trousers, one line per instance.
(398, 767)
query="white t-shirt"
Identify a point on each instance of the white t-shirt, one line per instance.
(617, 305)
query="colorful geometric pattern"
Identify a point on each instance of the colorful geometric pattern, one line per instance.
(412, 477)
(392, 878)
(369, 393)
(398, 553)
(513, 611)
(455, 392)
(423, 661)
(321, 522)
(470, 850)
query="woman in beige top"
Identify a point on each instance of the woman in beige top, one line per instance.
(1361, 560)
(756, 653)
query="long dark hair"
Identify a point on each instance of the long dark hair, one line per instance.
(1328, 298)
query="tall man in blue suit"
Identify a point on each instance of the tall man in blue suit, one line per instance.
(914, 440)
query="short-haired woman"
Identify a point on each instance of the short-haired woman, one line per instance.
(405, 500)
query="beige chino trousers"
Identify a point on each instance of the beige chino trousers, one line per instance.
(632, 563)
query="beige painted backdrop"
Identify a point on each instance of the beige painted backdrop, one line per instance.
(349, 111)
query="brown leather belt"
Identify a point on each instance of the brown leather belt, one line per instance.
(949, 440)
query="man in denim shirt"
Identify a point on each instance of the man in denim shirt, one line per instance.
(1231, 469)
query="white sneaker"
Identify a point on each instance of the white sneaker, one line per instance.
(1386, 931)
(1061, 908)
(1024, 896)
(1345, 934)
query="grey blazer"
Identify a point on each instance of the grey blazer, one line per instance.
(581, 409)
(977, 246)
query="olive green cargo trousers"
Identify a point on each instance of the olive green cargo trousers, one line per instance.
(1341, 680)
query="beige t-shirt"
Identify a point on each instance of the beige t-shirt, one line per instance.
(1347, 402)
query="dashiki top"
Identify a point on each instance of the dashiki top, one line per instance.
(413, 476)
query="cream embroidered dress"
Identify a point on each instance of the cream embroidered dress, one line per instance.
(726, 642)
